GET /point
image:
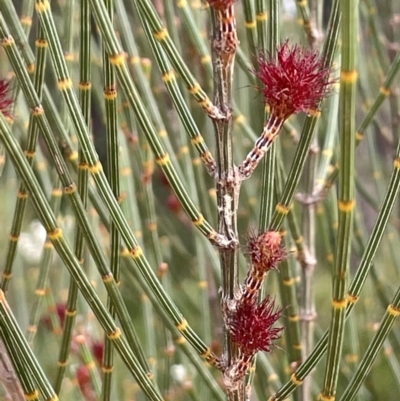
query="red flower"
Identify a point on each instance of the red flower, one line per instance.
(296, 81)
(5, 100)
(251, 326)
(265, 250)
(220, 4)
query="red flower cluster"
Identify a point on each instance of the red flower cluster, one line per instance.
(251, 326)
(296, 81)
(265, 250)
(5, 100)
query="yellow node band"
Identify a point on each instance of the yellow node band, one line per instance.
(323, 397)
(40, 292)
(327, 152)
(206, 354)
(37, 111)
(134, 60)
(250, 24)
(195, 89)
(73, 156)
(70, 313)
(83, 166)
(205, 103)
(205, 59)
(7, 276)
(240, 119)
(26, 20)
(297, 346)
(7, 41)
(85, 85)
(295, 380)
(152, 226)
(108, 278)
(393, 310)
(348, 77)
(110, 94)
(299, 240)
(184, 150)
(294, 318)
(180, 340)
(48, 245)
(64, 84)
(288, 282)
(32, 396)
(262, 17)
(396, 163)
(196, 140)
(107, 369)
(339, 303)
(182, 326)
(70, 189)
(22, 194)
(136, 252)
(352, 358)
(96, 168)
(181, 3)
(302, 3)
(126, 171)
(384, 91)
(161, 35)
(55, 235)
(163, 133)
(197, 161)
(168, 76)
(115, 334)
(163, 160)
(282, 209)
(124, 252)
(32, 329)
(56, 192)
(346, 206)
(203, 284)
(199, 221)
(42, 43)
(62, 364)
(117, 59)
(42, 6)
(273, 377)
(69, 57)
(29, 153)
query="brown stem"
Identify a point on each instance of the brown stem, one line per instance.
(224, 44)
(264, 142)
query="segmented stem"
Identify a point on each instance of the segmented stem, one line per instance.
(264, 142)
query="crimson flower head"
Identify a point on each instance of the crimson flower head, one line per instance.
(251, 326)
(296, 81)
(5, 99)
(265, 250)
(220, 4)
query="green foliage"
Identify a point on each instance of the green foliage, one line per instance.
(121, 254)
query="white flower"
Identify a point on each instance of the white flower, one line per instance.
(30, 244)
